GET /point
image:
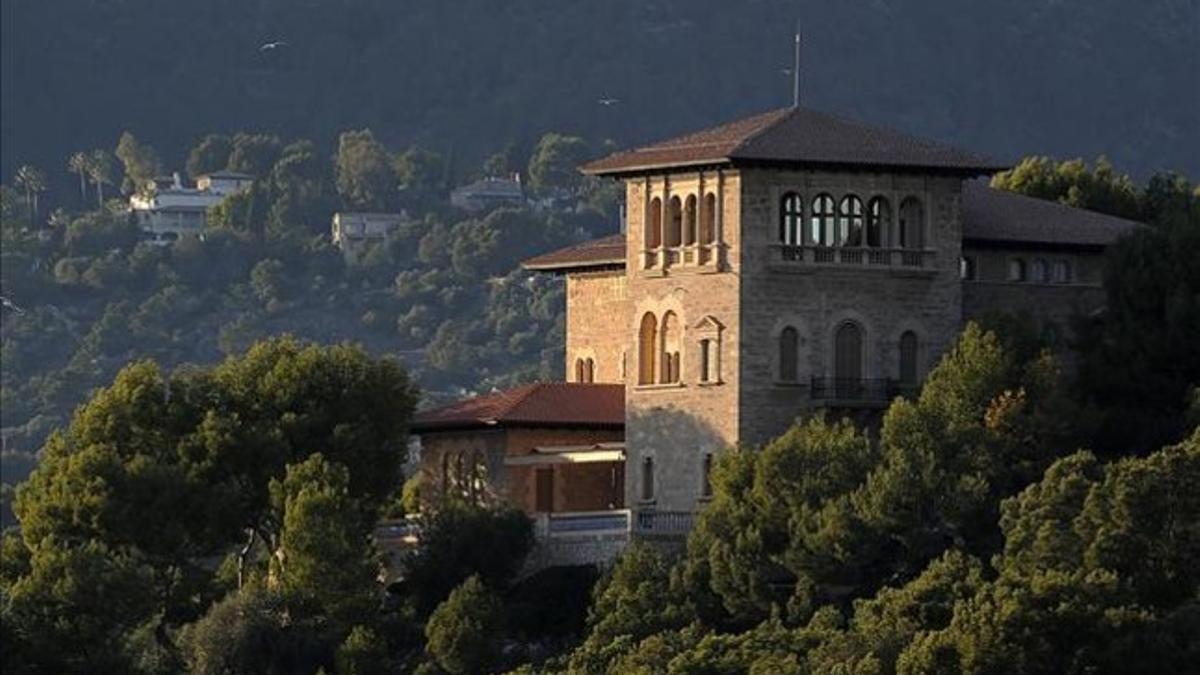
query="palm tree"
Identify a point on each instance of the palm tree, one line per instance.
(100, 168)
(78, 164)
(34, 182)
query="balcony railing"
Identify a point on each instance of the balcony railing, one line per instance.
(652, 522)
(864, 390)
(902, 258)
(583, 523)
(684, 255)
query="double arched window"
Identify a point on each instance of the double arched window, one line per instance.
(671, 340)
(585, 370)
(822, 220)
(791, 219)
(659, 349)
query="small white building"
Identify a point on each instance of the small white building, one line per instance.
(169, 210)
(489, 193)
(353, 231)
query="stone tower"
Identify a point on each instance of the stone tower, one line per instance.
(779, 263)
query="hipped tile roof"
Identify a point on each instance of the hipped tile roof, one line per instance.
(988, 216)
(797, 137)
(547, 404)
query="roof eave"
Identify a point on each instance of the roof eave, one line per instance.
(566, 268)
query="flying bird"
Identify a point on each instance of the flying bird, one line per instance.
(608, 101)
(268, 46)
(8, 304)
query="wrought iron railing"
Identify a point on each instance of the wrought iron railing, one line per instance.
(858, 389)
(669, 523)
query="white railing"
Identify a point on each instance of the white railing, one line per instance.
(577, 524)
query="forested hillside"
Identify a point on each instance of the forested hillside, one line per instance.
(466, 77)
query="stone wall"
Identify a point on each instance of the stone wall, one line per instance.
(885, 300)
(596, 303)
(677, 425)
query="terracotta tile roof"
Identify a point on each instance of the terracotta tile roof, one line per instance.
(547, 404)
(1000, 216)
(605, 251)
(988, 216)
(798, 137)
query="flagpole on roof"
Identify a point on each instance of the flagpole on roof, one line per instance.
(796, 70)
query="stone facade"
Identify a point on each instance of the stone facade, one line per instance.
(1053, 302)
(596, 303)
(675, 425)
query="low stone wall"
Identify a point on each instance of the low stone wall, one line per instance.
(600, 550)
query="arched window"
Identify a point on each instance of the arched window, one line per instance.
(789, 352)
(475, 477)
(1062, 271)
(670, 348)
(708, 220)
(967, 270)
(647, 479)
(673, 235)
(654, 226)
(879, 221)
(912, 220)
(850, 221)
(689, 221)
(822, 220)
(847, 359)
(1041, 271)
(791, 219)
(647, 349)
(589, 371)
(579, 374)
(1016, 270)
(908, 358)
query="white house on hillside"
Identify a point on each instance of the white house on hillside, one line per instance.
(169, 210)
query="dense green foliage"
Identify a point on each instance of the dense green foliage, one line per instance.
(464, 632)
(972, 540)
(282, 455)
(1139, 363)
(88, 296)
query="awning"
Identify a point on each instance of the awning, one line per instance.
(570, 454)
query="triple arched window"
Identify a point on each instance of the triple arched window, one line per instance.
(685, 225)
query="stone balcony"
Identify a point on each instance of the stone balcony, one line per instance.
(898, 261)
